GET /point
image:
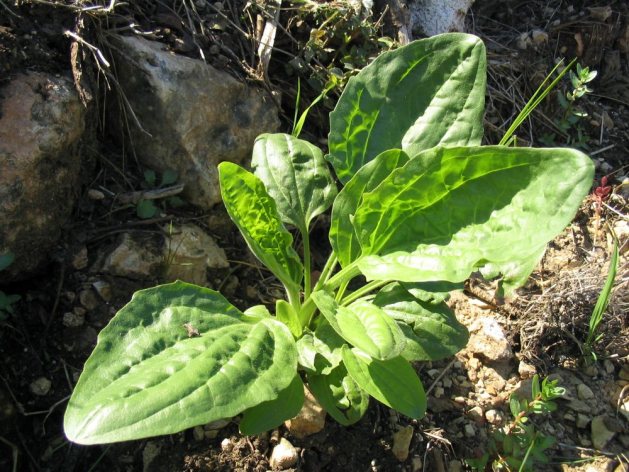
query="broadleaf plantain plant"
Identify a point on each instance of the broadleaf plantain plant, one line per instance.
(423, 206)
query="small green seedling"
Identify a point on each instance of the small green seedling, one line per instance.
(569, 123)
(7, 301)
(518, 445)
(146, 208)
(601, 305)
(422, 206)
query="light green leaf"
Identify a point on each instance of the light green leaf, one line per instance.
(451, 211)
(328, 307)
(392, 382)
(320, 351)
(151, 375)
(271, 414)
(295, 175)
(287, 315)
(367, 327)
(339, 395)
(258, 311)
(427, 93)
(432, 331)
(342, 236)
(254, 212)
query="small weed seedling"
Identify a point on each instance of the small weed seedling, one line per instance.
(569, 123)
(518, 446)
(601, 305)
(6, 301)
(146, 208)
(423, 206)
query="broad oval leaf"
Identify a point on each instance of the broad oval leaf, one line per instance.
(431, 330)
(295, 175)
(367, 327)
(339, 395)
(342, 237)
(254, 212)
(320, 352)
(177, 356)
(451, 211)
(427, 93)
(392, 382)
(272, 413)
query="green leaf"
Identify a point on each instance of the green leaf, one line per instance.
(169, 177)
(451, 211)
(287, 315)
(392, 382)
(296, 176)
(254, 212)
(427, 93)
(258, 311)
(6, 260)
(367, 327)
(148, 376)
(150, 177)
(320, 352)
(328, 307)
(270, 414)
(342, 236)
(431, 329)
(146, 209)
(339, 395)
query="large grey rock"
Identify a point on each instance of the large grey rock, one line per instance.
(193, 116)
(41, 122)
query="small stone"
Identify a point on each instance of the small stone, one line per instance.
(447, 382)
(41, 386)
(455, 466)
(494, 417)
(591, 370)
(216, 425)
(476, 414)
(79, 260)
(578, 405)
(227, 445)
(439, 392)
(488, 340)
(609, 366)
(402, 442)
(526, 370)
(582, 421)
(569, 417)
(539, 37)
(624, 372)
(613, 424)
(523, 41)
(103, 289)
(94, 194)
(211, 434)
(469, 430)
(460, 400)
(88, 299)
(198, 433)
(416, 464)
(309, 420)
(584, 392)
(284, 455)
(72, 320)
(433, 373)
(600, 434)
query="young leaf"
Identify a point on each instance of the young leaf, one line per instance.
(320, 352)
(451, 211)
(272, 413)
(286, 314)
(339, 395)
(392, 382)
(431, 330)
(427, 93)
(254, 212)
(146, 209)
(342, 236)
(367, 327)
(295, 175)
(149, 376)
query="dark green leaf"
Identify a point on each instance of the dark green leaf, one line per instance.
(151, 374)
(6, 260)
(296, 176)
(392, 382)
(271, 414)
(429, 92)
(146, 209)
(169, 177)
(339, 395)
